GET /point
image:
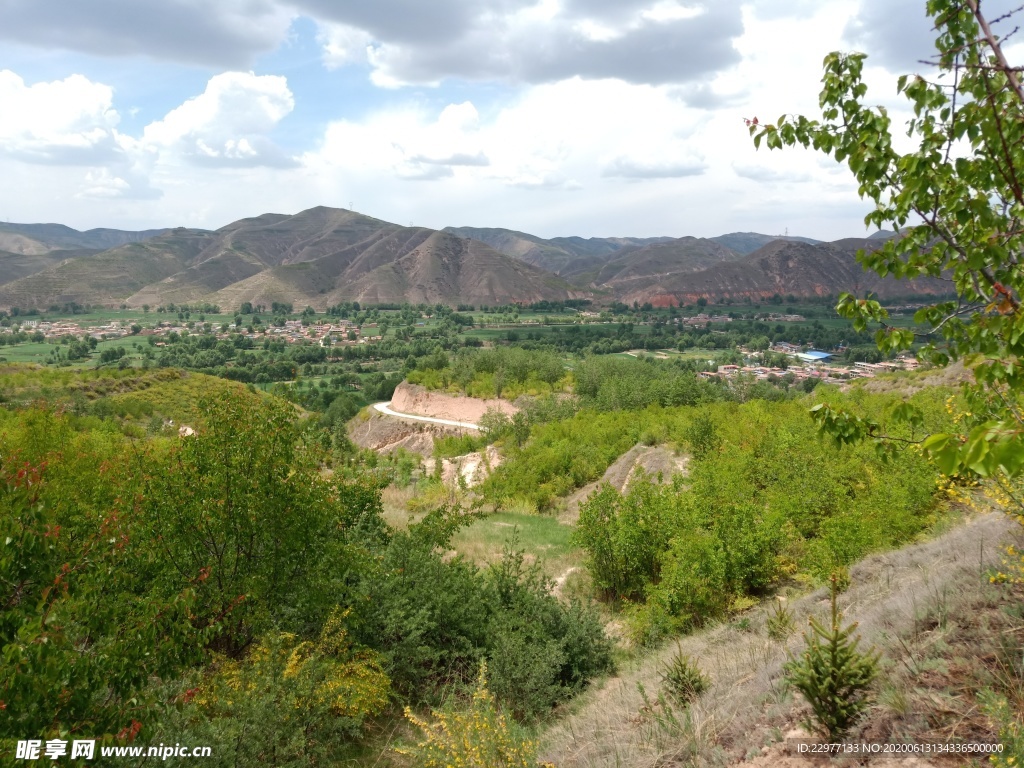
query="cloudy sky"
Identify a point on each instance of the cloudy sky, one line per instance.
(557, 117)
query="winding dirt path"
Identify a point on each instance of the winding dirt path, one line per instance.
(385, 408)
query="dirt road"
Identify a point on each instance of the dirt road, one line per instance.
(385, 408)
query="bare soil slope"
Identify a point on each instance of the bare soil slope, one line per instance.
(384, 434)
(657, 461)
(420, 401)
(925, 599)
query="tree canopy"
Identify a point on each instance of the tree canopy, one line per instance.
(957, 204)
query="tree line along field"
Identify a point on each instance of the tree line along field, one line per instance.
(416, 332)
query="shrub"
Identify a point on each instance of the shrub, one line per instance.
(540, 651)
(427, 617)
(1010, 726)
(833, 675)
(693, 586)
(479, 737)
(625, 536)
(702, 436)
(780, 623)
(683, 678)
(240, 513)
(80, 638)
(287, 703)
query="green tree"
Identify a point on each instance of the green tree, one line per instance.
(239, 512)
(958, 203)
(832, 674)
(80, 638)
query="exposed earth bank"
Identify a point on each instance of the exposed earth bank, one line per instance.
(385, 434)
(420, 401)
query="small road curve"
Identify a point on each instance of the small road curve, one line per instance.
(385, 408)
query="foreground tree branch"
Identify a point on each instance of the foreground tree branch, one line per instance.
(957, 202)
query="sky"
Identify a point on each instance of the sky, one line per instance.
(594, 118)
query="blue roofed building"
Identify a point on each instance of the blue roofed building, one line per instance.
(814, 356)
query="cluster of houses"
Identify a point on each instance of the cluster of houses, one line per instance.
(812, 364)
(60, 328)
(772, 317)
(337, 333)
(702, 319)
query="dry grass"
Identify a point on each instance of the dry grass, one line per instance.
(909, 382)
(894, 596)
(396, 505)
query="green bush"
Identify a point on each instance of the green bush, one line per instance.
(693, 587)
(428, 617)
(833, 676)
(287, 703)
(82, 631)
(541, 651)
(780, 624)
(625, 536)
(683, 678)
(433, 619)
(240, 513)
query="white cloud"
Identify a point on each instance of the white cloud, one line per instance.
(554, 136)
(631, 168)
(342, 44)
(104, 184)
(69, 122)
(768, 175)
(227, 124)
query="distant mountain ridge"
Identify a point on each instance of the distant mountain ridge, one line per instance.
(565, 256)
(31, 239)
(317, 257)
(321, 256)
(748, 242)
(800, 269)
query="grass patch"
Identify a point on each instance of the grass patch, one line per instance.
(543, 538)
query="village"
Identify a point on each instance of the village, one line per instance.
(336, 333)
(812, 364)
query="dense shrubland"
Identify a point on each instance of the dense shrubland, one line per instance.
(219, 589)
(765, 500)
(190, 588)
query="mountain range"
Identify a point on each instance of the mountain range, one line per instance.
(322, 256)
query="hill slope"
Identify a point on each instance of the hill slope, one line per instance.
(111, 276)
(748, 242)
(14, 266)
(780, 267)
(40, 238)
(654, 272)
(900, 600)
(316, 257)
(407, 264)
(565, 256)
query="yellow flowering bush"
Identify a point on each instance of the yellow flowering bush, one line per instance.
(479, 737)
(326, 674)
(287, 700)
